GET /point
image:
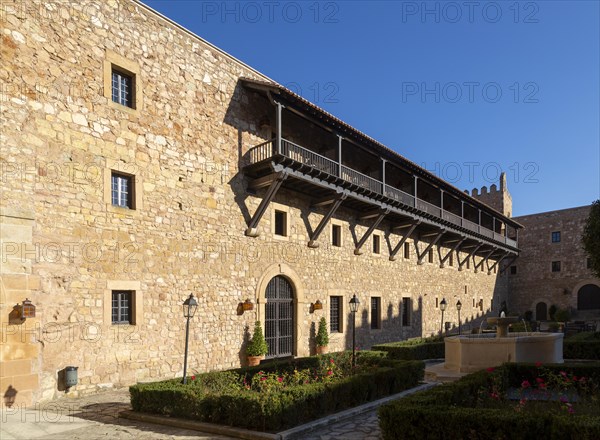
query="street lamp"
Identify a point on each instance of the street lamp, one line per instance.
(443, 305)
(189, 309)
(354, 303)
(458, 307)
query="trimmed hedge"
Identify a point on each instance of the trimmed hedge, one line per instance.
(415, 349)
(281, 409)
(450, 411)
(584, 345)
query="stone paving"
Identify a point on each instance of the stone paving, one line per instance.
(96, 417)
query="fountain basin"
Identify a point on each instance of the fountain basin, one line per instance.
(470, 353)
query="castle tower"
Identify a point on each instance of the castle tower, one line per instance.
(499, 199)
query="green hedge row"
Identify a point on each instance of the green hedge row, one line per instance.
(281, 409)
(585, 345)
(450, 411)
(414, 351)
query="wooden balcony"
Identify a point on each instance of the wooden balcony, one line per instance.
(316, 165)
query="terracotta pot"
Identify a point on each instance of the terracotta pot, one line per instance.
(254, 360)
(321, 349)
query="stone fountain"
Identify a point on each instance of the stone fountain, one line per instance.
(469, 353)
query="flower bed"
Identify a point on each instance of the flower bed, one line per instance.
(515, 401)
(419, 348)
(279, 395)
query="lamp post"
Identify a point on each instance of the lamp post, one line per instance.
(443, 306)
(458, 307)
(354, 303)
(189, 309)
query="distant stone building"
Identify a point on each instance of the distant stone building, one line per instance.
(141, 164)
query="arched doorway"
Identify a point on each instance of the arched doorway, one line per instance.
(279, 317)
(588, 297)
(541, 311)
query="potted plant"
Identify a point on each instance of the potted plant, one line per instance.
(257, 347)
(322, 338)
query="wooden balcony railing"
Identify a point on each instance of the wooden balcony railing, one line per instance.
(267, 150)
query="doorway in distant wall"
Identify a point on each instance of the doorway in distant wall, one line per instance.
(541, 311)
(279, 317)
(588, 297)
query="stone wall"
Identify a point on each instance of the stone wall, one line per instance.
(534, 280)
(184, 142)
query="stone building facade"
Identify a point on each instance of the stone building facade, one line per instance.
(553, 268)
(131, 177)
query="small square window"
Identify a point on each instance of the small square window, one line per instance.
(281, 223)
(375, 312)
(376, 244)
(123, 87)
(556, 266)
(406, 312)
(406, 250)
(122, 307)
(336, 235)
(335, 314)
(513, 270)
(556, 237)
(122, 189)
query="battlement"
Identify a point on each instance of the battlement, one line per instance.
(497, 196)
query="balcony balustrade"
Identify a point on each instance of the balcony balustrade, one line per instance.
(301, 155)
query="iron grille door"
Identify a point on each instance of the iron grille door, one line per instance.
(279, 319)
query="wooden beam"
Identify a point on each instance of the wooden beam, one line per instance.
(365, 237)
(435, 240)
(490, 269)
(262, 182)
(403, 240)
(475, 249)
(252, 230)
(443, 260)
(484, 260)
(324, 201)
(405, 225)
(321, 226)
(369, 214)
(508, 264)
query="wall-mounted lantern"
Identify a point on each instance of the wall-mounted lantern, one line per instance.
(247, 305)
(27, 310)
(317, 305)
(70, 377)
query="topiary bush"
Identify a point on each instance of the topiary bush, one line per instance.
(322, 338)
(257, 345)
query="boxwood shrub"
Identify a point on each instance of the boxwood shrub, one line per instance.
(414, 349)
(221, 401)
(451, 411)
(584, 345)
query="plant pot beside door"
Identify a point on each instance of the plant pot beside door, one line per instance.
(257, 347)
(322, 338)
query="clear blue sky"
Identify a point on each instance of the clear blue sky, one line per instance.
(464, 89)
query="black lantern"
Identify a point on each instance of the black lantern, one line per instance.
(354, 303)
(443, 306)
(458, 307)
(190, 305)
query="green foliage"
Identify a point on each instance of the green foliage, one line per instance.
(528, 315)
(552, 311)
(258, 345)
(574, 348)
(322, 338)
(276, 396)
(414, 349)
(591, 237)
(562, 315)
(456, 410)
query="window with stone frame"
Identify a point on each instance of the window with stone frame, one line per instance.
(376, 244)
(556, 237)
(406, 311)
(122, 190)
(122, 307)
(335, 314)
(556, 266)
(336, 235)
(123, 87)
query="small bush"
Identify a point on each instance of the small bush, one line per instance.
(258, 345)
(322, 338)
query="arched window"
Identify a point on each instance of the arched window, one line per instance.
(588, 297)
(541, 311)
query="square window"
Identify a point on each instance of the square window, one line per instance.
(122, 190)
(281, 223)
(335, 314)
(513, 270)
(556, 266)
(122, 307)
(556, 237)
(375, 312)
(406, 250)
(336, 235)
(406, 311)
(123, 87)
(376, 244)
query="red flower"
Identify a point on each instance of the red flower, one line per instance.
(563, 373)
(280, 379)
(193, 377)
(539, 380)
(495, 396)
(329, 372)
(263, 378)
(331, 361)
(490, 369)
(538, 364)
(525, 384)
